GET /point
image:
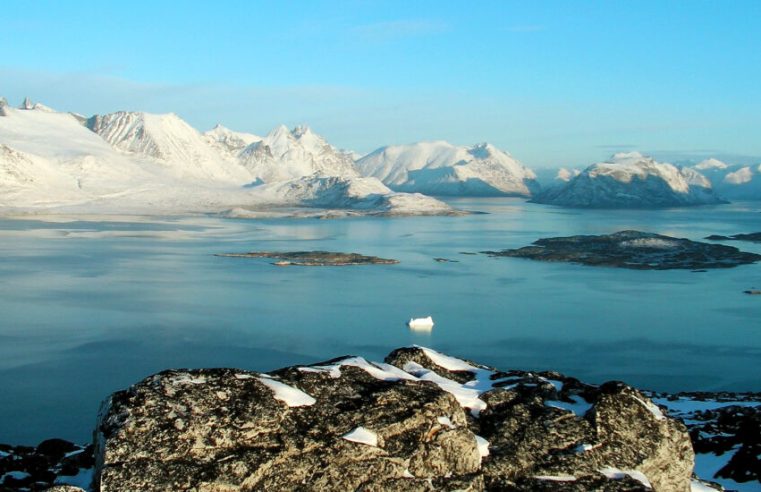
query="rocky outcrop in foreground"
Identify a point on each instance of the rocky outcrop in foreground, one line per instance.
(314, 258)
(419, 421)
(633, 249)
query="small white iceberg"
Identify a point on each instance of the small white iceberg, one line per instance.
(420, 323)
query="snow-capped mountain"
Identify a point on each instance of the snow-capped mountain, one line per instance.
(631, 180)
(144, 163)
(709, 164)
(741, 183)
(369, 194)
(171, 141)
(732, 181)
(440, 168)
(287, 154)
(230, 141)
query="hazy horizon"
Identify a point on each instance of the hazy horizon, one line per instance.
(555, 84)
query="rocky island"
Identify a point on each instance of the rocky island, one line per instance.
(421, 420)
(633, 249)
(754, 237)
(314, 258)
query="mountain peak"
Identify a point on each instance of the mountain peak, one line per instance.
(27, 104)
(301, 130)
(628, 156)
(279, 132)
(710, 163)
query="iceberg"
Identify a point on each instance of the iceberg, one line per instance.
(420, 323)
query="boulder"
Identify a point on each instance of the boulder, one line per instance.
(419, 421)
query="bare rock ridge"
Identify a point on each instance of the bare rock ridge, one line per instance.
(419, 421)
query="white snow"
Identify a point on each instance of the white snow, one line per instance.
(287, 154)
(445, 421)
(682, 406)
(556, 478)
(652, 407)
(83, 479)
(741, 176)
(698, 486)
(567, 174)
(363, 436)
(440, 168)
(650, 242)
(447, 362)
(141, 163)
(616, 473)
(631, 179)
(420, 323)
(710, 163)
(583, 448)
(293, 397)
(466, 396)
(579, 407)
(18, 475)
(378, 370)
(483, 446)
(187, 379)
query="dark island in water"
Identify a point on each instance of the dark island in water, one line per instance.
(633, 249)
(314, 258)
(419, 421)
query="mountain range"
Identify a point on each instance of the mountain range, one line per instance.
(137, 162)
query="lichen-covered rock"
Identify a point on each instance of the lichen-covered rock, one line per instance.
(420, 421)
(225, 429)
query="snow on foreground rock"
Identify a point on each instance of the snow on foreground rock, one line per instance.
(419, 421)
(440, 168)
(140, 163)
(632, 180)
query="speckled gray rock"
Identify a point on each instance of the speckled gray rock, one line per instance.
(232, 430)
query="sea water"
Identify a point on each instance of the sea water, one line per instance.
(88, 307)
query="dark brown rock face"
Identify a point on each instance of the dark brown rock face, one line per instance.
(420, 421)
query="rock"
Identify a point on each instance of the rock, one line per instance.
(635, 250)
(724, 428)
(419, 421)
(39, 468)
(753, 237)
(314, 258)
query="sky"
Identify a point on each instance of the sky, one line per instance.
(555, 83)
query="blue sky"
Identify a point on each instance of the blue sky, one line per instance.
(554, 83)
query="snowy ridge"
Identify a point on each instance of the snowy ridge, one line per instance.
(632, 180)
(228, 140)
(440, 168)
(168, 139)
(131, 162)
(287, 154)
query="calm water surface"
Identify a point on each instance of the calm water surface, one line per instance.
(87, 308)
